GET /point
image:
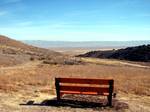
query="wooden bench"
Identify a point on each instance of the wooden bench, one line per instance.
(84, 87)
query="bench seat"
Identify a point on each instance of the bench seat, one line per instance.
(84, 86)
(82, 93)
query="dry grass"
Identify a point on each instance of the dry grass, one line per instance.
(127, 79)
(27, 77)
(34, 78)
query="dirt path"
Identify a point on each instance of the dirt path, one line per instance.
(112, 62)
(134, 65)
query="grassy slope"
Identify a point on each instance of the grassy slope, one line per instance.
(33, 80)
(14, 52)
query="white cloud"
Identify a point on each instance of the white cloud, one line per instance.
(51, 33)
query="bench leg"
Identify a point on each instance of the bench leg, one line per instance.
(57, 89)
(58, 97)
(109, 100)
(111, 83)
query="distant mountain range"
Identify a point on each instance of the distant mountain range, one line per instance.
(85, 44)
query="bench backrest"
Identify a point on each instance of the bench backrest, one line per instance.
(96, 85)
(84, 81)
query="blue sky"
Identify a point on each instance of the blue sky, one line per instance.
(75, 20)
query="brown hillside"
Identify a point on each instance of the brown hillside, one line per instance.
(11, 46)
(14, 52)
(5, 41)
(137, 53)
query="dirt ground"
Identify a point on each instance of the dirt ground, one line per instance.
(30, 87)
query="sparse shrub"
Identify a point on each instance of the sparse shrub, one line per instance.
(32, 58)
(50, 62)
(69, 62)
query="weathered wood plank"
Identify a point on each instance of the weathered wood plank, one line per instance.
(84, 81)
(84, 89)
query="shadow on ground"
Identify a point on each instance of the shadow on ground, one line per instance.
(98, 104)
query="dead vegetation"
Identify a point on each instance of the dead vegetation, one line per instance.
(35, 78)
(65, 60)
(29, 75)
(127, 79)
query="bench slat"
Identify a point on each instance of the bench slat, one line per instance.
(83, 93)
(84, 81)
(84, 89)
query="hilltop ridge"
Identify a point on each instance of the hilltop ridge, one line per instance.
(137, 53)
(6, 41)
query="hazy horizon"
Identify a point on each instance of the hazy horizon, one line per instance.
(87, 40)
(85, 44)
